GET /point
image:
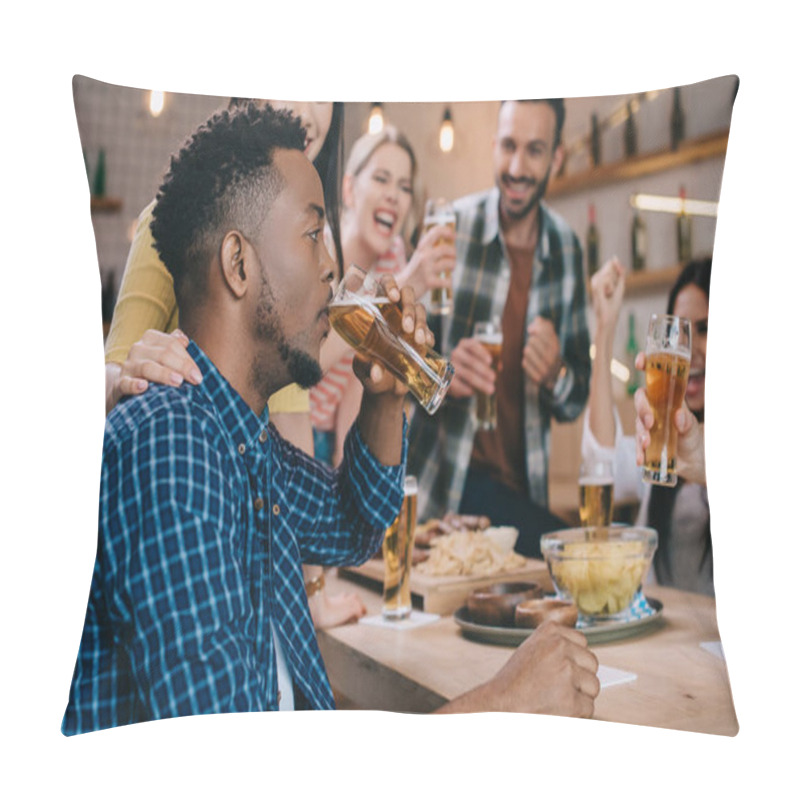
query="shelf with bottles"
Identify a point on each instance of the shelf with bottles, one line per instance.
(687, 152)
(648, 280)
(105, 205)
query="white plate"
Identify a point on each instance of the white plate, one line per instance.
(595, 634)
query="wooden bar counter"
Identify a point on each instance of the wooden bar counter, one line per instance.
(679, 684)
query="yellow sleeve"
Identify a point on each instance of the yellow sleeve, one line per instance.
(146, 295)
(290, 400)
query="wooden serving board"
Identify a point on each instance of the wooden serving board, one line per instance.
(445, 594)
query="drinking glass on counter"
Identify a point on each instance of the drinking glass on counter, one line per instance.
(397, 546)
(596, 493)
(490, 335)
(667, 357)
(439, 211)
(363, 316)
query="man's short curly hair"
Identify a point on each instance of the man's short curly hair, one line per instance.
(222, 179)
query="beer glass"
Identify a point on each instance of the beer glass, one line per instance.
(596, 493)
(397, 546)
(363, 316)
(668, 355)
(490, 335)
(439, 211)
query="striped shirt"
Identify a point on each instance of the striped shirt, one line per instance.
(206, 515)
(326, 396)
(440, 446)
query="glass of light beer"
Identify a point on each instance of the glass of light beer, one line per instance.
(668, 355)
(490, 335)
(362, 315)
(596, 493)
(439, 211)
(397, 546)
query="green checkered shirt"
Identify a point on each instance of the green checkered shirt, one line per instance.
(440, 447)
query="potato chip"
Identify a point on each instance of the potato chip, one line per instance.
(468, 553)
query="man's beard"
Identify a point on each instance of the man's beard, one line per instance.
(538, 194)
(303, 369)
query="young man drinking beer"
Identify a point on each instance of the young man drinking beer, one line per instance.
(197, 602)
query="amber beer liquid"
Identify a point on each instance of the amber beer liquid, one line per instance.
(441, 299)
(486, 404)
(373, 326)
(397, 546)
(666, 375)
(596, 506)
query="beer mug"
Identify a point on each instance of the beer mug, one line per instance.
(397, 546)
(596, 493)
(439, 211)
(363, 316)
(668, 354)
(490, 335)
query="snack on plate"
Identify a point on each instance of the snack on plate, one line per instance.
(601, 577)
(503, 535)
(418, 555)
(535, 612)
(450, 523)
(468, 553)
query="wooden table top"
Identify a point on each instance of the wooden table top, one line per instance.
(679, 684)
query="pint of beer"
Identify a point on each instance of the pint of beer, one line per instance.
(490, 335)
(439, 211)
(668, 355)
(372, 325)
(596, 493)
(397, 546)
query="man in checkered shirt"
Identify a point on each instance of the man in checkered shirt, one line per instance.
(197, 603)
(520, 264)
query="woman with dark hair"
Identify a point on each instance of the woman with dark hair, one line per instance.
(680, 515)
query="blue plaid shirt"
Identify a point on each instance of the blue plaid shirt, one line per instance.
(206, 516)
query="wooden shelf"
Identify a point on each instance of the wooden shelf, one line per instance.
(650, 280)
(105, 205)
(647, 280)
(641, 165)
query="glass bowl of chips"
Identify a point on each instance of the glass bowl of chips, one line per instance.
(600, 569)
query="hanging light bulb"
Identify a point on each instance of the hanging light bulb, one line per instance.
(446, 132)
(156, 102)
(376, 118)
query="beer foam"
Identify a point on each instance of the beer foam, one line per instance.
(490, 338)
(440, 219)
(595, 480)
(348, 301)
(680, 352)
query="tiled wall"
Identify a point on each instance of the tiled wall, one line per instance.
(137, 149)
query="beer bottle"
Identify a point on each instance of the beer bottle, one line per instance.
(592, 244)
(99, 186)
(638, 242)
(677, 122)
(630, 133)
(631, 349)
(684, 231)
(595, 141)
